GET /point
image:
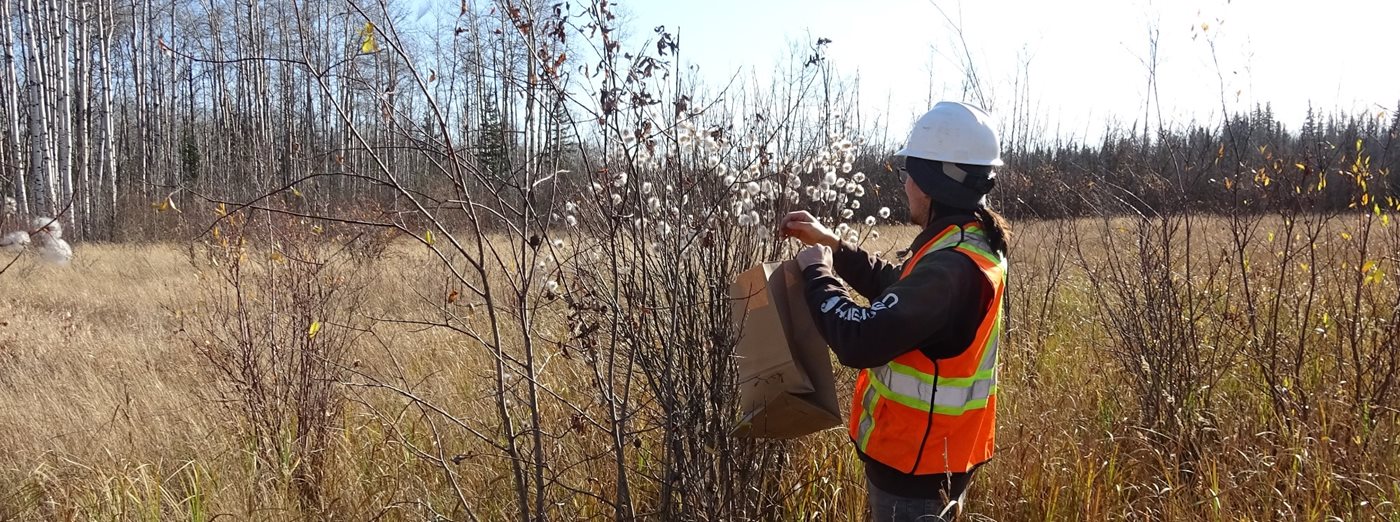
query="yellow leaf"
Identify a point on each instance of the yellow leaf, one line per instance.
(1326, 318)
(277, 256)
(220, 210)
(428, 237)
(1271, 237)
(1346, 236)
(367, 43)
(296, 192)
(315, 327)
(1385, 220)
(316, 229)
(167, 204)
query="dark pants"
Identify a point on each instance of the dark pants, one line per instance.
(888, 507)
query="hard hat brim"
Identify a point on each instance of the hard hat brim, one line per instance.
(904, 153)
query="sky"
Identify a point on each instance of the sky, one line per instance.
(1084, 59)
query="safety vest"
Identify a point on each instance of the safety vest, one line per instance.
(922, 416)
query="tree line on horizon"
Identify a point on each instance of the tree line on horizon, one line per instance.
(115, 114)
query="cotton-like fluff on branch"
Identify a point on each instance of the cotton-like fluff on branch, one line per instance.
(47, 241)
(48, 226)
(14, 242)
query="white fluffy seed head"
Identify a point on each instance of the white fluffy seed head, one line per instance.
(869, 221)
(753, 188)
(859, 177)
(884, 212)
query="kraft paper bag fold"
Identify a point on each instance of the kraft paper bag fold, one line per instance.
(786, 385)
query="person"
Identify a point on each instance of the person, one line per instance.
(924, 410)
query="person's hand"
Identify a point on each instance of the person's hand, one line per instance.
(805, 227)
(820, 254)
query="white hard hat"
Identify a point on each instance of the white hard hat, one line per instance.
(954, 132)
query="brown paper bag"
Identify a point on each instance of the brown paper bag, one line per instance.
(786, 386)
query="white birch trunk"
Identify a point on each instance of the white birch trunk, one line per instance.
(82, 72)
(10, 94)
(108, 157)
(60, 55)
(41, 168)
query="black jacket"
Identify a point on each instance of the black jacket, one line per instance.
(937, 309)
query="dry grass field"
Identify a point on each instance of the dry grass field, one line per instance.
(110, 412)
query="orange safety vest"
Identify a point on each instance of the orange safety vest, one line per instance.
(922, 416)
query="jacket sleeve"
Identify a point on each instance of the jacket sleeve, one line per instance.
(868, 275)
(907, 313)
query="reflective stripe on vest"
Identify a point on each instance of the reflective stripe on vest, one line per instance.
(956, 392)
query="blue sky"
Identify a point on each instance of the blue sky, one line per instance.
(1085, 57)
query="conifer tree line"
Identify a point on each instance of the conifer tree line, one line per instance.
(116, 112)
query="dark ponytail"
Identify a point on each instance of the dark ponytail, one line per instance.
(997, 228)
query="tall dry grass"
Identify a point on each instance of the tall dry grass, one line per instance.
(110, 412)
